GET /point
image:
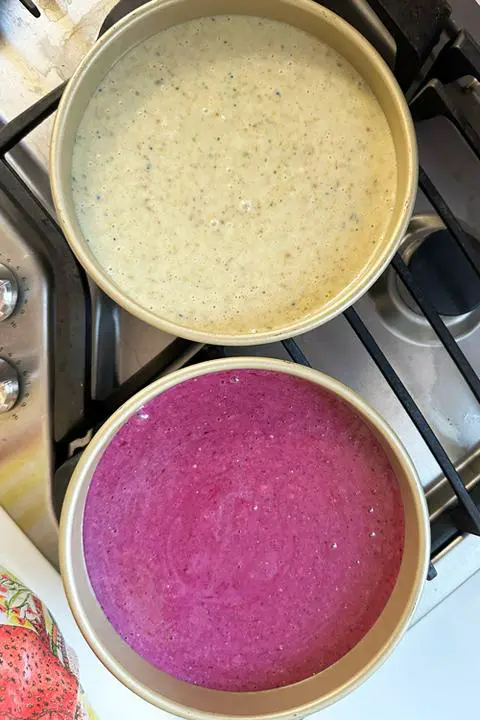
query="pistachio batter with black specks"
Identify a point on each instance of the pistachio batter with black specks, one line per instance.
(233, 174)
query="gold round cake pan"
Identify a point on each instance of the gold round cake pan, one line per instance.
(306, 15)
(299, 699)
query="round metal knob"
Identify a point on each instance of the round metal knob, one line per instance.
(9, 386)
(8, 292)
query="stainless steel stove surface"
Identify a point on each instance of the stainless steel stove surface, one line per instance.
(36, 55)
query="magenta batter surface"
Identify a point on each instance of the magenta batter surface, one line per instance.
(243, 530)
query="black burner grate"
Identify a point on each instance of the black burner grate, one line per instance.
(31, 7)
(416, 28)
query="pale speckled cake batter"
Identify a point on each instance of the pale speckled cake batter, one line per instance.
(233, 174)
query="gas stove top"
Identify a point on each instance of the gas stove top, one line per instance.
(69, 356)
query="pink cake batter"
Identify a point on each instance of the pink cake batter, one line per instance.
(243, 530)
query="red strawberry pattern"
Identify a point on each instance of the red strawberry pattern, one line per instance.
(33, 682)
(38, 677)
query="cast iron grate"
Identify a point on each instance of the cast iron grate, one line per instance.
(416, 33)
(31, 7)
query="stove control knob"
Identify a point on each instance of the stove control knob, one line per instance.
(9, 386)
(8, 292)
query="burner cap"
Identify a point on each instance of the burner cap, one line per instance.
(446, 276)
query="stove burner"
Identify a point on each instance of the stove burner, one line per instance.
(446, 276)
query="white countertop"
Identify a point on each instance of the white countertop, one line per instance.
(432, 673)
